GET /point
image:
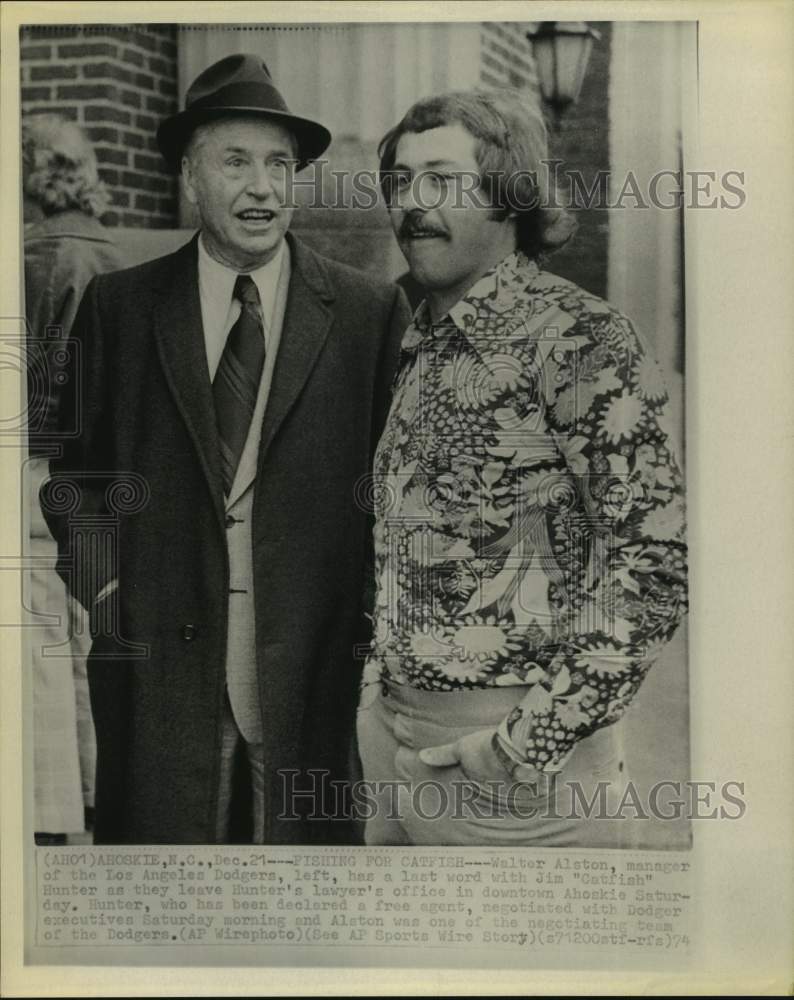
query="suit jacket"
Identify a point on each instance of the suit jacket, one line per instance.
(141, 485)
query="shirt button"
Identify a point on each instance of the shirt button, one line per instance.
(189, 632)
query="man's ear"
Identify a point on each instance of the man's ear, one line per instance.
(187, 180)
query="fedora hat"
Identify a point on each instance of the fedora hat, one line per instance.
(235, 86)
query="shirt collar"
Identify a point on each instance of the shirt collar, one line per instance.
(497, 286)
(221, 278)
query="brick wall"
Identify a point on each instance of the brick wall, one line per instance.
(506, 56)
(117, 82)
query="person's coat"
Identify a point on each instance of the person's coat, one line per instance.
(62, 253)
(144, 474)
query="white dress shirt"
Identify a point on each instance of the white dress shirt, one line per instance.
(219, 310)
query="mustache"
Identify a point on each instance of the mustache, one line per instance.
(413, 227)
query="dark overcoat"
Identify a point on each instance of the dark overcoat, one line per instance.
(138, 494)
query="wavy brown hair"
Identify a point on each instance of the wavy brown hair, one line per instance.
(511, 152)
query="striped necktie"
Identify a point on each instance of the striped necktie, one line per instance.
(236, 381)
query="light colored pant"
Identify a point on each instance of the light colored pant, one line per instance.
(469, 809)
(231, 740)
(58, 640)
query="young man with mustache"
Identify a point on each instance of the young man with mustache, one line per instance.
(530, 552)
(237, 388)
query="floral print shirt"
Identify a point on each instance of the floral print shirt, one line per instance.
(529, 510)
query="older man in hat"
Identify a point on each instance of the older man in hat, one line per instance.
(231, 395)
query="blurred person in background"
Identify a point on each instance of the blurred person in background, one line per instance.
(65, 245)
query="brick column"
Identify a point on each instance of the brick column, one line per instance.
(117, 82)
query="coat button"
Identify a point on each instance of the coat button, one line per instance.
(188, 632)
(230, 521)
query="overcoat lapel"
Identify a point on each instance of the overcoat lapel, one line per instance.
(307, 321)
(180, 342)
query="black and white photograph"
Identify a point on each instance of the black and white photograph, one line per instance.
(476, 551)
(359, 486)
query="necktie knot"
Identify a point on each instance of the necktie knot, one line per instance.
(245, 290)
